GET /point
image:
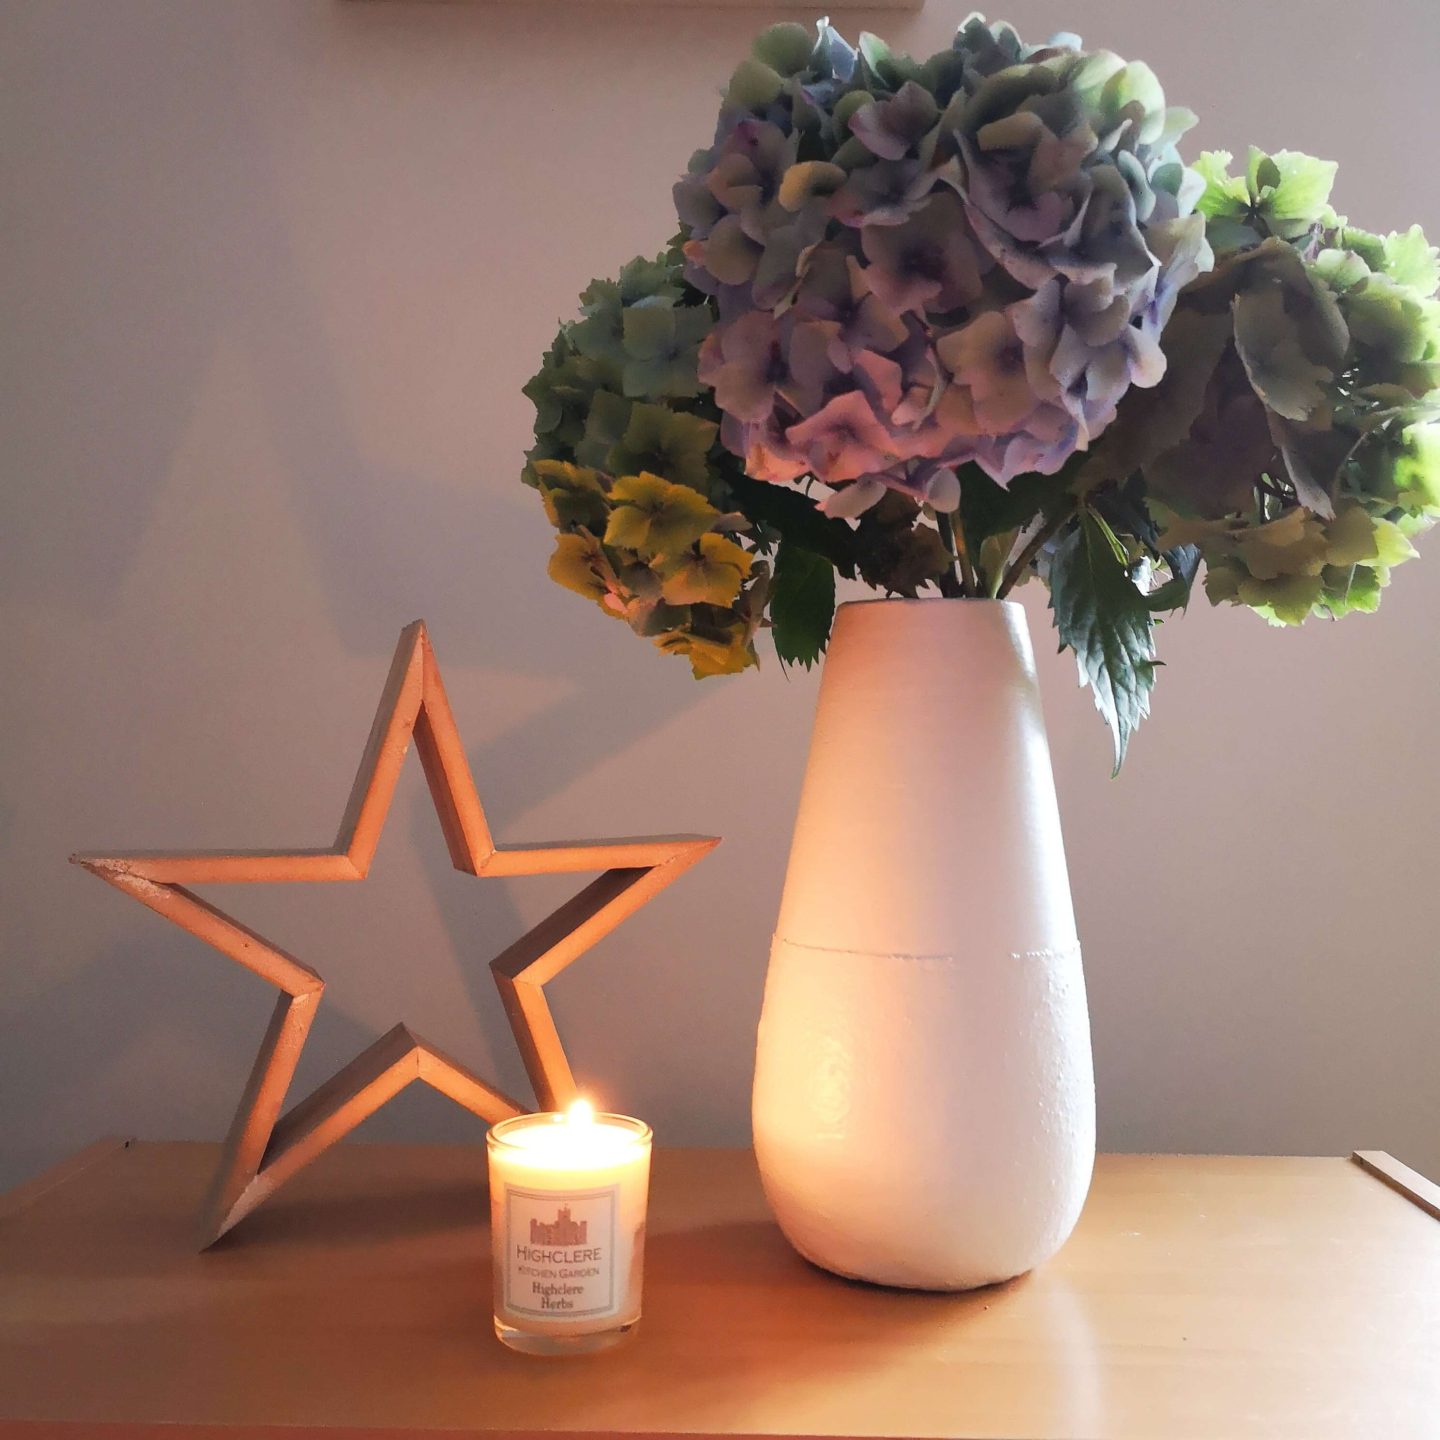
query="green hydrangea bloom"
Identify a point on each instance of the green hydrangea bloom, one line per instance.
(1295, 439)
(629, 471)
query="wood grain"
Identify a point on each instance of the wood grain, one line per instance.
(1201, 1298)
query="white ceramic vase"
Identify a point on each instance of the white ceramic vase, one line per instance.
(924, 1105)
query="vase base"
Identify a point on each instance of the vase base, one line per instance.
(924, 1287)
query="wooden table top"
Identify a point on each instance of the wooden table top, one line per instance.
(1208, 1298)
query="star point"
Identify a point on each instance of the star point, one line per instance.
(266, 1147)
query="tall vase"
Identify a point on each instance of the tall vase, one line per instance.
(924, 1106)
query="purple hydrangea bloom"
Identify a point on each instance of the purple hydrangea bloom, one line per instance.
(916, 268)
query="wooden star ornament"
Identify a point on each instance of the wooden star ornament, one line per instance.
(265, 1148)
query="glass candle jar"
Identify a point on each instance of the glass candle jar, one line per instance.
(568, 1195)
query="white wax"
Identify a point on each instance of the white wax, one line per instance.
(567, 1222)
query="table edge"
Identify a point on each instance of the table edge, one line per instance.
(1380, 1165)
(27, 1192)
(1421, 1192)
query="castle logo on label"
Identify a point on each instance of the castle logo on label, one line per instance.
(560, 1253)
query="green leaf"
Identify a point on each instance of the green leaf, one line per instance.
(796, 518)
(1110, 537)
(1174, 594)
(802, 604)
(1103, 617)
(895, 552)
(988, 509)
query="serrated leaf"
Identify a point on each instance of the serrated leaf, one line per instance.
(895, 552)
(988, 509)
(802, 604)
(1174, 594)
(796, 518)
(1101, 615)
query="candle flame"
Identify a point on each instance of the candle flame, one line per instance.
(582, 1112)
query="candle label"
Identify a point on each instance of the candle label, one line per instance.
(560, 1252)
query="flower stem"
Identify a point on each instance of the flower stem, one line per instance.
(950, 587)
(962, 551)
(1032, 549)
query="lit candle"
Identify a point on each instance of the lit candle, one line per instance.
(567, 1226)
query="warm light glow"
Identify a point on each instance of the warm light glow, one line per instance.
(570, 1139)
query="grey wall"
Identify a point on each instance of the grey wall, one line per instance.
(273, 275)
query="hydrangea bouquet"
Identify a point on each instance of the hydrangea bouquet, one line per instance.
(945, 326)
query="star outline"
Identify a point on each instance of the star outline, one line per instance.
(266, 1145)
